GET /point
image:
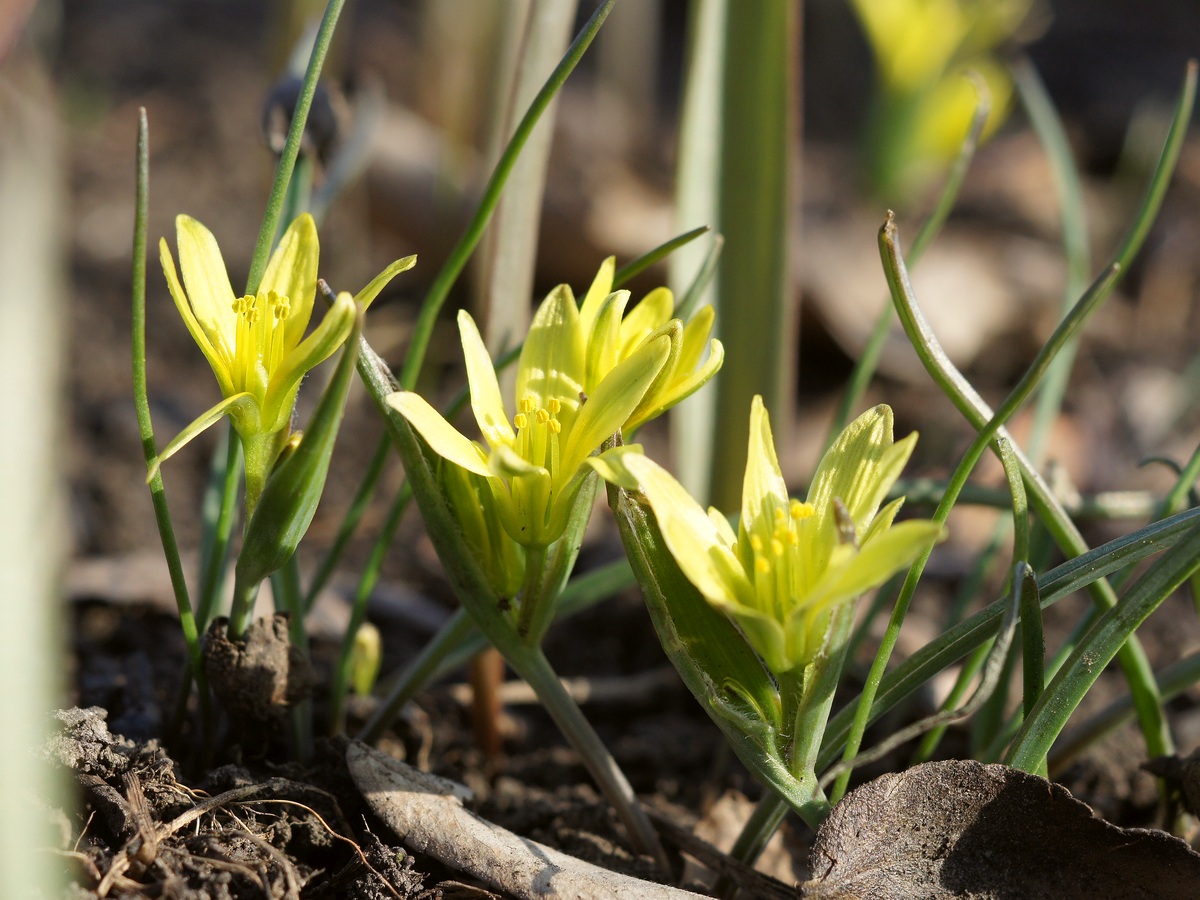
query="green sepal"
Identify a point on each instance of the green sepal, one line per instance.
(712, 656)
(293, 489)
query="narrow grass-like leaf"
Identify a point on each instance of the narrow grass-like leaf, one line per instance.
(446, 277)
(158, 495)
(219, 513)
(291, 148)
(1053, 136)
(635, 267)
(510, 247)
(980, 416)
(1111, 632)
(1176, 678)
(957, 642)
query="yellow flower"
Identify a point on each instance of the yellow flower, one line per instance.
(791, 562)
(536, 461)
(256, 344)
(612, 336)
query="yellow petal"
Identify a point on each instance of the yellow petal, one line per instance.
(600, 289)
(313, 350)
(486, 401)
(698, 545)
(216, 354)
(553, 360)
(651, 312)
(208, 289)
(763, 488)
(292, 273)
(228, 406)
(445, 440)
(608, 408)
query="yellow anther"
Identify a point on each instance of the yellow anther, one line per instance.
(777, 546)
(762, 565)
(554, 426)
(756, 543)
(520, 420)
(542, 417)
(553, 405)
(779, 516)
(526, 405)
(801, 511)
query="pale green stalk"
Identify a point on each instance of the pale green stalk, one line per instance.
(158, 494)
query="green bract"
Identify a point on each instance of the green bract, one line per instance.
(791, 563)
(535, 462)
(613, 336)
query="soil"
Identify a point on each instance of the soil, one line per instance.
(256, 824)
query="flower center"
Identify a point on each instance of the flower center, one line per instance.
(259, 339)
(776, 544)
(538, 429)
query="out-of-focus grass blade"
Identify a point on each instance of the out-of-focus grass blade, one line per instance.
(452, 268)
(635, 267)
(510, 246)
(697, 175)
(756, 311)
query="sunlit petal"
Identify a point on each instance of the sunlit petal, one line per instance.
(292, 273)
(208, 289)
(445, 440)
(486, 401)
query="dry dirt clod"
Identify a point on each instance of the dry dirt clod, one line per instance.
(256, 679)
(959, 828)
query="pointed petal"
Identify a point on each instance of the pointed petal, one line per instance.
(850, 467)
(694, 540)
(651, 312)
(553, 358)
(882, 520)
(368, 294)
(610, 466)
(238, 402)
(446, 442)
(313, 350)
(885, 554)
(679, 390)
(721, 521)
(292, 273)
(486, 401)
(763, 488)
(208, 289)
(695, 336)
(604, 339)
(600, 289)
(608, 408)
(216, 355)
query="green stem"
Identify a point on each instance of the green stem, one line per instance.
(531, 665)
(158, 494)
(220, 505)
(241, 608)
(533, 592)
